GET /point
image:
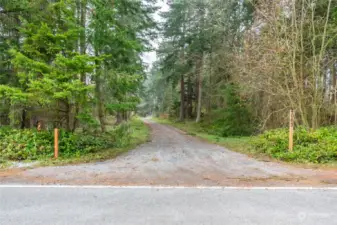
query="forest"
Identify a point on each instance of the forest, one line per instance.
(228, 68)
(70, 64)
(236, 68)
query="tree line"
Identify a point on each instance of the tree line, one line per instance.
(240, 66)
(72, 63)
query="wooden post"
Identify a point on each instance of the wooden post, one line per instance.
(38, 126)
(291, 130)
(56, 143)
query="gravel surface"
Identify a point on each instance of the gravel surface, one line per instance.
(174, 158)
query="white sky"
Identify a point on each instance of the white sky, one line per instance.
(150, 57)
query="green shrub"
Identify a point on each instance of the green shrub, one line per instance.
(122, 135)
(30, 144)
(24, 144)
(233, 120)
(319, 146)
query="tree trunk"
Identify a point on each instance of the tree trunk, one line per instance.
(199, 72)
(210, 93)
(82, 12)
(189, 108)
(83, 35)
(119, 118)
(182, 81)
(68, 116)
(182, 99)
(99, 98)
(210, 82)
(334, 84)
(23, 119)
(200, 61)
(196, 97)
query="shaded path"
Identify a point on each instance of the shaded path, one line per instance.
(173, 158)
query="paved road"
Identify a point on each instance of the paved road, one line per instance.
(175, 159)
(151, 206)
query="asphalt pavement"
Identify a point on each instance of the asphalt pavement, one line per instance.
(44, 205)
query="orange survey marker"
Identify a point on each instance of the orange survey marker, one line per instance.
(291, 130)
(56, 143)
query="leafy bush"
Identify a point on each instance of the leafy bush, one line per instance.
(122, 135)
(24, 144)
(30, 144)
(235, 119)
(319, 146)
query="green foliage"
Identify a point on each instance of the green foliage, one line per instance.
(30, 144)
(125, 106)
(71, 59)
(14, 94)
(123, 87)
(119, 32)
(88, 121)
(319, 146)
(24, 144)
(234, 119)
(81, 144)
(122, 135)
(48, 67)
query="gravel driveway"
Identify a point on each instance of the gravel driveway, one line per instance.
(174, 158)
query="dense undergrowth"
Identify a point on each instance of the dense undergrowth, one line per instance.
(233, 120)
(319, 146)
(28, 144)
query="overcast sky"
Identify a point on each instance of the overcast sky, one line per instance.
(150, 57)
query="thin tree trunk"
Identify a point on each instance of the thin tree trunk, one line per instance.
(182, 81)
(199, 71)
(125, 115)
(182, 98)
(23, 119)
(100, 107)
(189, 108)
(334, 84)
(83, 35)
(119, 118)
(68, 116)
(333, 74)
(196, 92)
(210, 90)
(200, 62)
(99, 98)
(199, 103)
(75, 121)
(82, 11)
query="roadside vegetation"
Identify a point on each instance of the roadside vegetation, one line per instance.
(33, 146)
(75, 65)
(310, 146)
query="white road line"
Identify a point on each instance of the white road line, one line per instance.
(167, 187)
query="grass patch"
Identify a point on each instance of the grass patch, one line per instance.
(139, 133)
